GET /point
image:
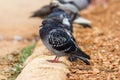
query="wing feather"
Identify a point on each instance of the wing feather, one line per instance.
(61, 40)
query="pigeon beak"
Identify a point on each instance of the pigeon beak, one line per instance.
(40, 26)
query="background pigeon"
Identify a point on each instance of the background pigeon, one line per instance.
(71, 6)
(80, 4)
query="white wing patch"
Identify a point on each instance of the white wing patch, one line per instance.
(81, 20)
(66, 22)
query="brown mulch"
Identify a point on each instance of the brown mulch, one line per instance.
(102, 43)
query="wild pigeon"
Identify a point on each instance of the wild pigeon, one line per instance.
(62, 17)
(60, 41)
(71, 6)
(80, 4)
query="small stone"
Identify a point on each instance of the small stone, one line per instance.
(103, 51)
(1, 37)
(118, 13)
(25, 40)
(18, 38)
(117, 46)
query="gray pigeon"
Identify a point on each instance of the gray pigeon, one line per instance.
(60, 41)
(62, 17)
(80, 4)
(71, 6)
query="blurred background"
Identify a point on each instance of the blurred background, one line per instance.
(18, 31)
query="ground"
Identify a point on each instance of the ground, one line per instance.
(101, 41)
(17, 30)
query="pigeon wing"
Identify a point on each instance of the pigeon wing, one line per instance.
(61, 40)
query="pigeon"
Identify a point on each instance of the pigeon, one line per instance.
(80, 4)
(62, 17)
(71, 6)
(60, 41)
(47, 9)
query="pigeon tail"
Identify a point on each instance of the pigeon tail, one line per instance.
(81, 20)
(83, 56)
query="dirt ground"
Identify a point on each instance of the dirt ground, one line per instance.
(101, 42)
(17, 30)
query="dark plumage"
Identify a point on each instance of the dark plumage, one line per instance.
(62, 17)
(60, 41)
(72, 7)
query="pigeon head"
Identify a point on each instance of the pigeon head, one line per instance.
(60, 16)
(50, 22)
